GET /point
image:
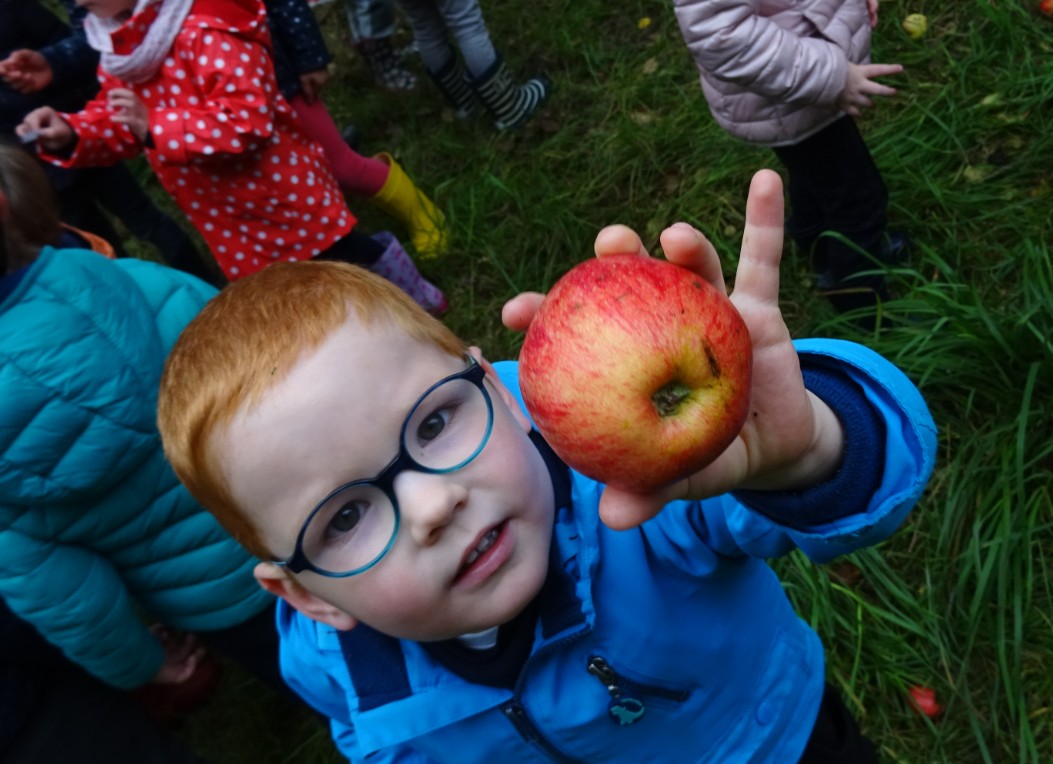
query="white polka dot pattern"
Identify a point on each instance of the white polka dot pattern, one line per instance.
(227, 147)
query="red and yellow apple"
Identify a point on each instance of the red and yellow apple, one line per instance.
(636, 371)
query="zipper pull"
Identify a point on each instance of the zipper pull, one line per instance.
(624, 709)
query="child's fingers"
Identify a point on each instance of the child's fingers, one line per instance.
(686, 246)
(881, 70)
(518, 312)
(621, 510)
(876, 88)
(757, 277)
(618, 240)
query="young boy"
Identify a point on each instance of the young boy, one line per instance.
(450, 593)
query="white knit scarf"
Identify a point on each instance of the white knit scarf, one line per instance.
(141, 64)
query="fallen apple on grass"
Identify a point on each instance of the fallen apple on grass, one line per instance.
(915, 25)
(636, 371)
(923, 700)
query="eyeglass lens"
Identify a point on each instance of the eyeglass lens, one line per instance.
(356, 524)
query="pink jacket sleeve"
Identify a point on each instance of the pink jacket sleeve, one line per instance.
(769, 54)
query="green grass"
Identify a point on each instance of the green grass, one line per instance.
(961, 599)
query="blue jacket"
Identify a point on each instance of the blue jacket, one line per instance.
(96, 531)
(703, 657)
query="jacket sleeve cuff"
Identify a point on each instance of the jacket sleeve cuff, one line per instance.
(907, 454)
(857, 478)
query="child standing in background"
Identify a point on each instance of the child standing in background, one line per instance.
(45, 62)
(479, 73)
(96, 532)
(300, 62)
(792, 76)
(191, 83)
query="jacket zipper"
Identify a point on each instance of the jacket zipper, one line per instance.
(517, 714)
(626, 705)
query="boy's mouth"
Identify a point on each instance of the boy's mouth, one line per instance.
(476, 558)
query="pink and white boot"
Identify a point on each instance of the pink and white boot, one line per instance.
(396, 266)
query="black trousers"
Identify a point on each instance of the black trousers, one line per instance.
(354, 247)
(115, 189)
(836, 738)
(51, 710)
(834, 185)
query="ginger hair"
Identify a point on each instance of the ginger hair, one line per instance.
(244, 342)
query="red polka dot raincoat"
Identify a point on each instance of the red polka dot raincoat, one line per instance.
(226, 145)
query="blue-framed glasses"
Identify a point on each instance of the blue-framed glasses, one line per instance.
(353, 527)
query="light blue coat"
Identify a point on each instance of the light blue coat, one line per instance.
(708, 661)
(96, 533)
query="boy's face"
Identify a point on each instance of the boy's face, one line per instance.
(337, 418)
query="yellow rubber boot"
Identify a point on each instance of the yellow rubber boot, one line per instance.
(401, 199)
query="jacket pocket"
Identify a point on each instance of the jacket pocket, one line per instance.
(630, 697)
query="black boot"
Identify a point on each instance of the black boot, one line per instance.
(510, 105)
(452, 80)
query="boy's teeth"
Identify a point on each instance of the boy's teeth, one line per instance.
(486, 543)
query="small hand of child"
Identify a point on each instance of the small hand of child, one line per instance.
(791, 438)
(46, 127)
(311, 84)
(872, 12)
(27, 71)
(129, 110)
(860, 86)
(183, 653)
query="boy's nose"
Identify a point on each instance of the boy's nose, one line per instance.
(428, 503)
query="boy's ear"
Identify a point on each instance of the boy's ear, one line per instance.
(281, 583)
(505, 394)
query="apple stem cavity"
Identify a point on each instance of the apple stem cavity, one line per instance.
(668, 397)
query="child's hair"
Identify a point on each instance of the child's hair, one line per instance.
(245, 341)
(31, 219)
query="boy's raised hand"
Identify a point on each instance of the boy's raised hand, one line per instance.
(791, 439)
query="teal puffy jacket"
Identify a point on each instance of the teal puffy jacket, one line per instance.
(97, 536)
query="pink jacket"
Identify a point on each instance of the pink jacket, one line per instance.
(772, 70)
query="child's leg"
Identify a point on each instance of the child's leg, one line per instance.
(836, 738)
(430, 20)
(834, 185)
(372, 24)
(355, 173)
(380, 178)
(383, 255)
(483, 68)
(440, 60)
(370, 19)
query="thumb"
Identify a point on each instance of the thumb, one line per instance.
(621, 510)
(518, 312)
